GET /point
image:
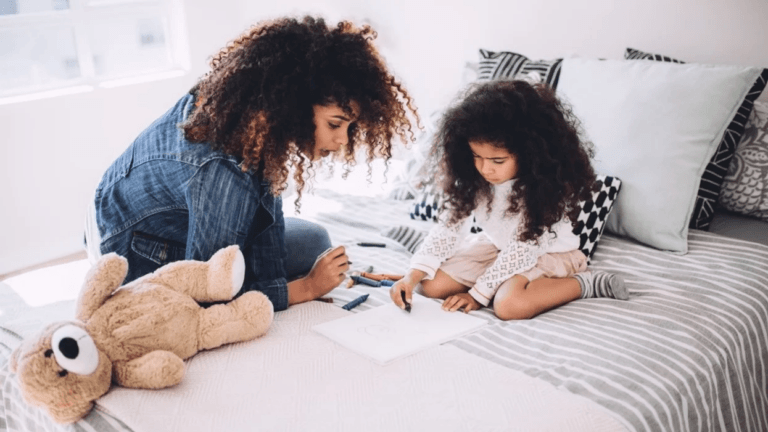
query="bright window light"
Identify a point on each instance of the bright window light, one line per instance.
(48, 45)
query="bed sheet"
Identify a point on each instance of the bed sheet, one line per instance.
(686, 352)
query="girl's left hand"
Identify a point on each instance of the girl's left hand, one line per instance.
(457, 301)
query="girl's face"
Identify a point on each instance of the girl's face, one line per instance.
(495, 164)
(331, 127)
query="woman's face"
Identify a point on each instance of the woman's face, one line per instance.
(495, 164)
(331, 128)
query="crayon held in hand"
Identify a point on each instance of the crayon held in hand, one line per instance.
(407, 305)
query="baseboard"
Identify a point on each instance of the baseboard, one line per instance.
(62, 260)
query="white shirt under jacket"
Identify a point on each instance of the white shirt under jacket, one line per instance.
(514, 256)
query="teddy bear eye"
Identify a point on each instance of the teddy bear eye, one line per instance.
(74, 350)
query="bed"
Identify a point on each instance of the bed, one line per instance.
(687, 352)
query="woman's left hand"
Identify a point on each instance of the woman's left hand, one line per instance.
(457, 301)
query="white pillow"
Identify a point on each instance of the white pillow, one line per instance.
(656, 126)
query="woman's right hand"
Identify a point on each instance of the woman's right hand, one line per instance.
(328, 271)
(326, 274)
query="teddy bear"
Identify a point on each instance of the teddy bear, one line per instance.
(137, 335)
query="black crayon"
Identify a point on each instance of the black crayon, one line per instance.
(407, 305)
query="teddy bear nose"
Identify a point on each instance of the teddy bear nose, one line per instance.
(69, 348)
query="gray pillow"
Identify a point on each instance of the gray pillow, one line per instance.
(656, 126)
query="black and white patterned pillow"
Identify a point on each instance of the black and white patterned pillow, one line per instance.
(594, 214)
(407, 236)
(717, 168)
(428, 204)
(510, 65)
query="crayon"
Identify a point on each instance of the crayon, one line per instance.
(355, 302)
(370, 244)
(407, 305)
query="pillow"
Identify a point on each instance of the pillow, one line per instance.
(656, 125)
(509, 65)
(428, 205)
(407, 236)
(712, 179)
(594, 214)
(745, 188)
(589, 225)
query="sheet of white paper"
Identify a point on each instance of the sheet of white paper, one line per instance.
(387, 333)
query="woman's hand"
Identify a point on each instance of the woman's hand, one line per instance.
(326, 274)
(458, 301)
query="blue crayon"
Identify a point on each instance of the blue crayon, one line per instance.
(365, 281)
(387, 283)
(355, 302)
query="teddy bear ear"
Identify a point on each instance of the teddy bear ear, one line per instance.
(14, 360)
(70, 413)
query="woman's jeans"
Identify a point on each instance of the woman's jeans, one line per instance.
(305, 241)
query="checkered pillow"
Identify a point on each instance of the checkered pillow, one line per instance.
(594, 214)
(428, 205)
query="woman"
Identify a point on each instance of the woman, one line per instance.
(209, 172)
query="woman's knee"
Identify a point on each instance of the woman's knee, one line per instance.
(304, 241)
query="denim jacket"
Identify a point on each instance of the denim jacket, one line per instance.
(166, 199)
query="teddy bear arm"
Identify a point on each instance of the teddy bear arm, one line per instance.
(154, 370)
(100, 282)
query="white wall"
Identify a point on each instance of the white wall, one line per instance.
(53, 151)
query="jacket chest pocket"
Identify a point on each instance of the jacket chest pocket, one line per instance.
(156, 249)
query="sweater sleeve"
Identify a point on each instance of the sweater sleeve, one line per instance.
(516, 258)
(439, 245)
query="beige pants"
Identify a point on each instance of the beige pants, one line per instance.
(477, 253)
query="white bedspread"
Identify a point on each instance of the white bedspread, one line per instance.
(295, 379)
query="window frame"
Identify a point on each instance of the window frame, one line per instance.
(77, 17)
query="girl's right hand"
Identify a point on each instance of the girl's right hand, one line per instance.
(395, 292)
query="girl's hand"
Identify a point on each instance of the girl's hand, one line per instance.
(395, 292)
(457, 301)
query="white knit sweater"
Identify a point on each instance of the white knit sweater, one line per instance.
(514, 256)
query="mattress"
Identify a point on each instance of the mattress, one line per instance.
(686, 352)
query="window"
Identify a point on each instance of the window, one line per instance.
(82, 44)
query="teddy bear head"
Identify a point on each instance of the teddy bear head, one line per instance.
(62, 370)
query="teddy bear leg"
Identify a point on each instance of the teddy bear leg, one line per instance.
(245, 318)
(217, 279)
(154, 370)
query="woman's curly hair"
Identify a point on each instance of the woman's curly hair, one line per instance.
(257, 101)
(554, 171)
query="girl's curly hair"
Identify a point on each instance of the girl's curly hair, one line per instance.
(257, 101)
(554, 171)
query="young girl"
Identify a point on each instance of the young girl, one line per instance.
(209, 172)
(512, 157)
